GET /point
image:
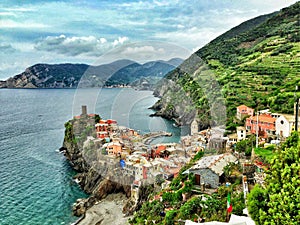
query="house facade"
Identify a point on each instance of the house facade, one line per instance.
(241, 133)
(113, 148)
(265, 124)
(285, 124)
(243, 111)
(208, 170)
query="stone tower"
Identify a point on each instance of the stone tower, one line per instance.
(83, 110)
(194, 127)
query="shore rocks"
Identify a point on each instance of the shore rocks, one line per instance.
(89, 175)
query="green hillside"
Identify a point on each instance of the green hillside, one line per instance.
(256, 63)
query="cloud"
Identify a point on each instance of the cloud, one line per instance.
(143, 49)
(92, 28)
(191, 37)
(74, 46)
(120, 40)
(19, 9)
(26, 24)
(6, 48)
(3, 14)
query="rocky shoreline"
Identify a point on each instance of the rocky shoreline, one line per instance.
(107, 211)
(98, 180)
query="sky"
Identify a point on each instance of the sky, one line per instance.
(100, 31)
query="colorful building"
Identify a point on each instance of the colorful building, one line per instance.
(243, 111)
(113, 148)
(265, 124)
(285, 124)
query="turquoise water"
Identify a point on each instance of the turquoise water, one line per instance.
(36, 185)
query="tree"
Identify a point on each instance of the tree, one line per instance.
(244, 146)
(256, 202)
(279, 202)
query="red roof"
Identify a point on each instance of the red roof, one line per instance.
(110, 121)
(263, 118)
(160, 148)
(243, 108)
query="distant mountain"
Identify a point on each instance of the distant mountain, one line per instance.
(121, 72)
(256, 63)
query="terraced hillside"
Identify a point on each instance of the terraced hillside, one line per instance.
(256, 63)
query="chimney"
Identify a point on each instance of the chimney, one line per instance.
(83, 110)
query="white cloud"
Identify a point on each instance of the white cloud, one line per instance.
(147, 49)
(7, 14)
(120, 40)
(25, 24)
(191, 37)
(19, 9)
(92, 28)
(103, 40)
(74, 46)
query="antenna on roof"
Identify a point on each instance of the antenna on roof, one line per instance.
(256, 142)
(296, 109)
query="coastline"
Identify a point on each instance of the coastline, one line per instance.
(106, 211)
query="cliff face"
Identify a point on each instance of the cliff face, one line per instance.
(92, 177)
(47, 76)
(96, 176)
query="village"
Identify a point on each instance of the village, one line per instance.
(125, 156)
(137, 162)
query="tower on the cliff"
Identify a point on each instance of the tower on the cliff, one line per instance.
(83, 110)
(194, 127)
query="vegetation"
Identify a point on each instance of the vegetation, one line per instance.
(279, 202)
(179, 202)
(266, 154)
(246, 146)
(256, 63)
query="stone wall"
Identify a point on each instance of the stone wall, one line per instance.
(208, 177)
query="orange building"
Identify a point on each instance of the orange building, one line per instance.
(114, 148)
(243, 111)
(101, 130)
(266, 125)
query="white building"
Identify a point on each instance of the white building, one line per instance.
(284, 125)
(241, 133)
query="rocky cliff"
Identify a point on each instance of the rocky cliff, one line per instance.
(96, 177)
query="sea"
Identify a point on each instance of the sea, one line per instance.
(36, 181)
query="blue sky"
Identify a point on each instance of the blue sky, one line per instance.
(82, 31)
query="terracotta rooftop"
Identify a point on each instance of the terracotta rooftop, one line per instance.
(243, 107)
(263, 118)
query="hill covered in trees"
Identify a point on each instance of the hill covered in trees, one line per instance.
(256, 63)
(67, 75)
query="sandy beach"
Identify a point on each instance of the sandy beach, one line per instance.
(108, 211)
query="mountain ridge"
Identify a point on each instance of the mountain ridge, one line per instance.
(255, 63)
(69, 75)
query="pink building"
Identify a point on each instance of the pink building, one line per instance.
(266, 125)
(243, 111)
